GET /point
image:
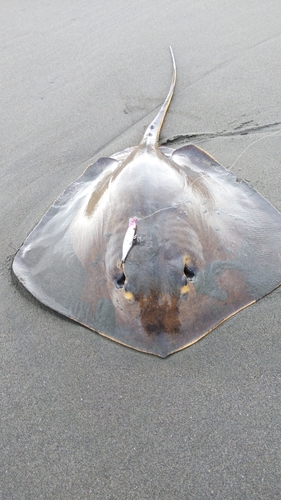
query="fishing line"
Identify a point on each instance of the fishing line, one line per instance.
(277, 132)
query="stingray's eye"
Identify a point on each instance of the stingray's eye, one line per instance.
(184, 286)
(187, 276)
(183, 280)
(127, 292)
(119, 280)
(188, 273)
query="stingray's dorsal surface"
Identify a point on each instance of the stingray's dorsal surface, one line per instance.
(154, 247)
(146, 152)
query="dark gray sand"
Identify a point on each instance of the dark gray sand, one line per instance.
(81, 416)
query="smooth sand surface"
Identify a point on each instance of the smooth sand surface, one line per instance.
(81, 416)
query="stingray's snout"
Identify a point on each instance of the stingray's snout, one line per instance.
(160, 314)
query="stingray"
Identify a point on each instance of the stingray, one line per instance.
(154, 247)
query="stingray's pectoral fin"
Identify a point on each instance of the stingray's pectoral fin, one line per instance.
(97, 168)
(194, 158)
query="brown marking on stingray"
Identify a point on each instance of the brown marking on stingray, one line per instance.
(159, 315)
(93, 201)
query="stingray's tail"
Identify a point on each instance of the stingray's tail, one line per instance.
(151, 136)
